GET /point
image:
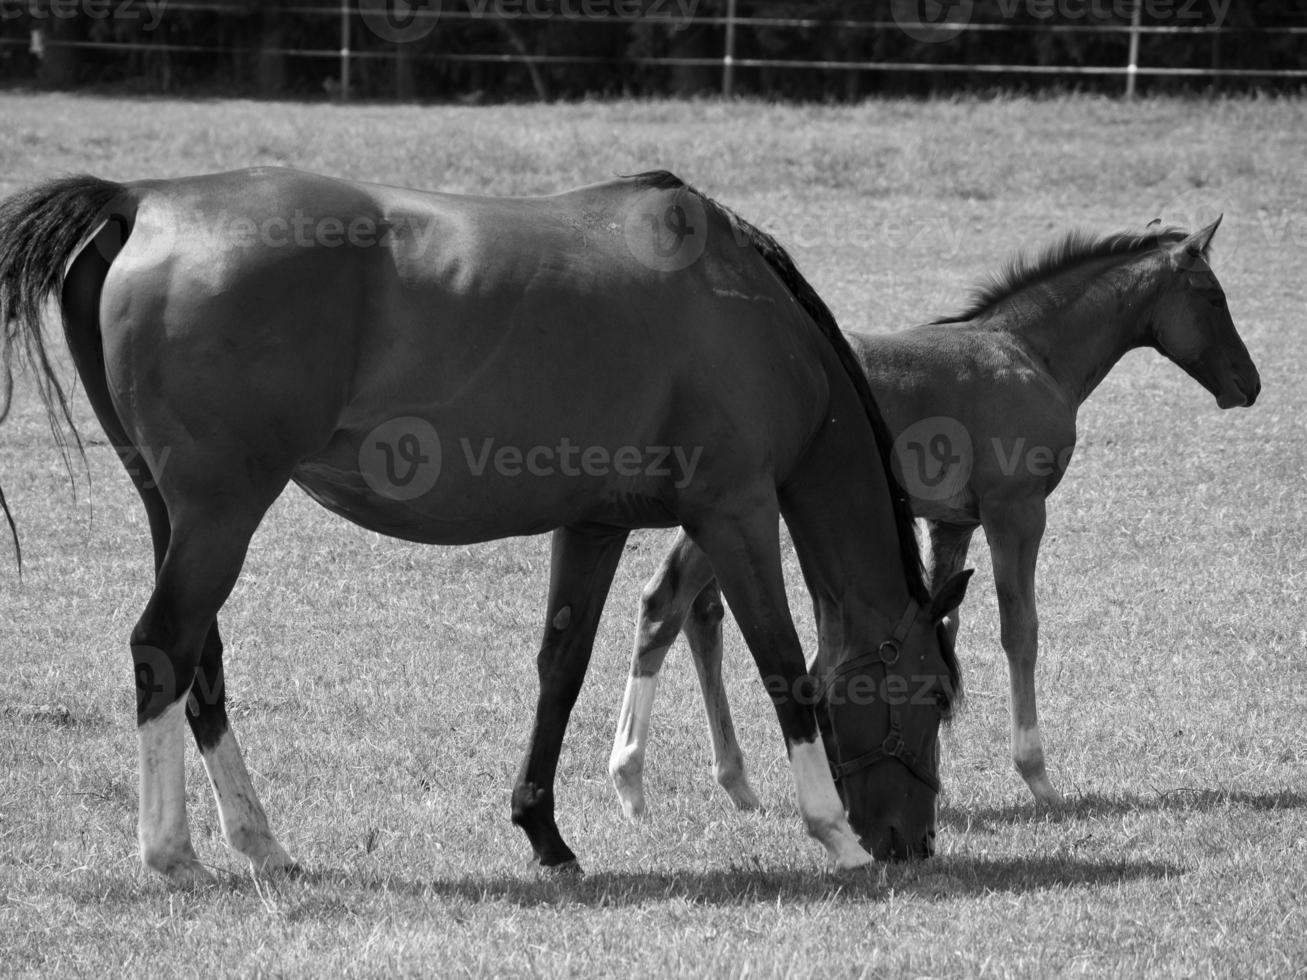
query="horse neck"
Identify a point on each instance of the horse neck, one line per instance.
(841, 518)
(1081, 322)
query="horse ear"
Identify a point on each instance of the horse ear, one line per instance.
(1199, 242)
(950, 596)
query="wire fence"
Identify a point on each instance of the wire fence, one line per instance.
(394, 32)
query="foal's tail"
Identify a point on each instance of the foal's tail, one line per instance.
(41, 230)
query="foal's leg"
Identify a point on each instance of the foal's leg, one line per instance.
(703, 633)
(203, 558)
(581, 570)
(1014, 529)
(244, 824)
(949, 544)
(744, 548)
(664, 603)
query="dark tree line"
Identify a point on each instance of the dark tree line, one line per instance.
(287, 47)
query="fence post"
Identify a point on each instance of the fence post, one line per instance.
(728, 59)
(344, 49)
(1132, 69)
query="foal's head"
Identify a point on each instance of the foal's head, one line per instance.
(1191, 324)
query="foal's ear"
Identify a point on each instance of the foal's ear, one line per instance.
(1199, 242)
(950, 596)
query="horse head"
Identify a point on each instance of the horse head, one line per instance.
(1191, 324)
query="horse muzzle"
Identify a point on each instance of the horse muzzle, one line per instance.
(1241, 387)
(895, 845)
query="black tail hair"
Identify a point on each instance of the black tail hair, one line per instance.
(39, 230)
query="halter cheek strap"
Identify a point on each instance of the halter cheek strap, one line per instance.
(893, 747)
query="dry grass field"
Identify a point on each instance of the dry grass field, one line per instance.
(383, 690)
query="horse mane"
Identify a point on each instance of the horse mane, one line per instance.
(1025, 269)
(779, 261)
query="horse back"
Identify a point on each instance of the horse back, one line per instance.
(274, 321)
(974, 400)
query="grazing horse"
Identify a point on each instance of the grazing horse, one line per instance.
(451, 369)
(983, 410)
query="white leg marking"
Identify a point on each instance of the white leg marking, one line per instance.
(164, 834)
(821, 807)
(1028, 754)
(626, 763)
(244, 823)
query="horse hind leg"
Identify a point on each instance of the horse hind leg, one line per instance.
(243, 820)
(947, 554)
(203, 557)
(703, 633)
(664, 603)
(164, 651)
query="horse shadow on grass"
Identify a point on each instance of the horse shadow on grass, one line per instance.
(1110, 805)
(956, 876)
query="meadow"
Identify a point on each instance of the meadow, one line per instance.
(383, 691)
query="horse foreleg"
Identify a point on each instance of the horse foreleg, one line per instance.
(244, 823)
(666, 600)
(703, 633)
(1014, 531)
(581, 572)
(744, 549)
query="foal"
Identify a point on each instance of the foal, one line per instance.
(982, 407)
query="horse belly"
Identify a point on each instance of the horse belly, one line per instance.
(402, 478)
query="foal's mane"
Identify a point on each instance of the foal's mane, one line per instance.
(779, 261)
(1026, 269)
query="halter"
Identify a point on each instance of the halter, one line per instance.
(893, 747)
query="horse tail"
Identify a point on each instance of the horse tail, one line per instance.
(41, 231)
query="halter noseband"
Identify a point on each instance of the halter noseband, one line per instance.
(893, 747)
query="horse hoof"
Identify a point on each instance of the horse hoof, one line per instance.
(854, 859)
(283, 866)
(633, 808)
(743, 796)
(567, 871)
(189, 875)
(1046, 796)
